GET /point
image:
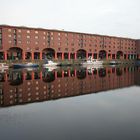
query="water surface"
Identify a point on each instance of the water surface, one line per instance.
(67, 104)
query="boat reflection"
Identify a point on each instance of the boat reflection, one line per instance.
(26, 86)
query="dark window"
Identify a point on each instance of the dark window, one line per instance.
(66, 49)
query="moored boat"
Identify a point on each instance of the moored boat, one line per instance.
(49, 63)
(26, 65)
(3, 66)
(91, 61)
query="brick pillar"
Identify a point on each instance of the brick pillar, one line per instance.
(68, 56)
(5, 55)
(75, 73)
(86, 72)
(23, 55)
(69, 72)
(40, 55)
(62, 56)
(92, 55)
(115, 56)
(62, 73)
(32, 55)
(55, 57)
(55, 74)
(41, 75)
(33, 75)
(86, 55)
(97, 55)
(106, 56)
(24, 76)
(5, 77)
(75, 56)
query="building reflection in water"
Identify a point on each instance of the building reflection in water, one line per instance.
(26, 86)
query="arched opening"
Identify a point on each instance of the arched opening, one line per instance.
(102, 54)
(2, 77)
(28, 55)
(15, 78)
(14, 53)
(81, 54)
(48, 76)
(119, 72)
(119, 54)
(81, 73)
(36, 55)
(102, 72)
(28, 75)
(65, 55)
(48, 53)
(1, 55)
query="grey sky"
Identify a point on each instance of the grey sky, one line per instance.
(109, 17)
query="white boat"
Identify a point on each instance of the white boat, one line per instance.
(26, 65)
(49, 69)
(91, 61)
(3, 66)
(49, 63)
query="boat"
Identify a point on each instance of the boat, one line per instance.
(26, 65)
(113, 62)
(91, 61)
(49, 63)
(3, 66)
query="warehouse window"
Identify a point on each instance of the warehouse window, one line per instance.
(28, 31)
(9, 30)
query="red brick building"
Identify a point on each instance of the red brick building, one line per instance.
(18, 87)
(36, 43)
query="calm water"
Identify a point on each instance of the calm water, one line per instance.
(70, 103)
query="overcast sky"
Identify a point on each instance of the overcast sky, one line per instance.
(106, 17)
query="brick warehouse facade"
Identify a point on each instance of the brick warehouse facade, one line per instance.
(23, 43)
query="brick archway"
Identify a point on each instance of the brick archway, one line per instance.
(102, 54)
(14, 53)
(81, 54)
(48, 53)
(119, 54)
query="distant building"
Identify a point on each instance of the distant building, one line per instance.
(35, 43)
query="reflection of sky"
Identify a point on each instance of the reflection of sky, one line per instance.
(111, 115)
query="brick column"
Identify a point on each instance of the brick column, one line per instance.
(86, 72)
(75, 56)
(92, 55)
(86, 55)
(75, 73)
(97, 55)
(5, 55)
(62, 56)
(32, 55)
(23, 55)
(5, 77)
(24, 76)
(62, 73)
(33, 75)
(40, 55)
(115, 56)
(55, 57)
(68, 56)
(55, 74)
(69, 73)
(41, 75)
(106, 56)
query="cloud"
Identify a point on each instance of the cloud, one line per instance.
(117, 17)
